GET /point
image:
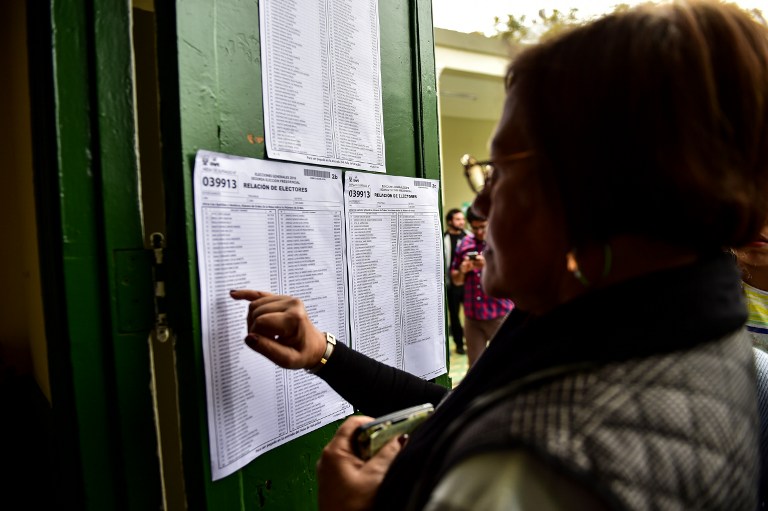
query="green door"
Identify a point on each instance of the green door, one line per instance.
(210, 89)
(95, 271)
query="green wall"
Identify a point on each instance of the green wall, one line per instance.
(458, 137)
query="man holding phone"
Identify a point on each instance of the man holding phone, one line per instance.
(454, 221)
(483, 314)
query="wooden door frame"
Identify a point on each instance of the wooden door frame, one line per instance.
(93, 267)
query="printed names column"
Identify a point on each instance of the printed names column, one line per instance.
(375, 285)
(420, 252)
(234, 237)
(313, 270)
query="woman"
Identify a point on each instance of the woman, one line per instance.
(628, 153)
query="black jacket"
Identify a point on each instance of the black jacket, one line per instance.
(667, 311)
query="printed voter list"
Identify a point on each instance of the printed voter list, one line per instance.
(396, 271)
(274, 227)
(321, 72)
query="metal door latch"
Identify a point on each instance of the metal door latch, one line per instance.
(162, 331)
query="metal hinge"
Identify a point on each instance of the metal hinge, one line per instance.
(162, 331)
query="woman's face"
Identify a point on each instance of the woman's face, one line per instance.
(755, 255)
(525, 255)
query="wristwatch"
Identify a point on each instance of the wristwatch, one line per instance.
(330, 343)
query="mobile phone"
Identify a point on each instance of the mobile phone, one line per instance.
(371, 437)
(472, 255)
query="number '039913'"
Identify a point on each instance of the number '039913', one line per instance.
(219, 182)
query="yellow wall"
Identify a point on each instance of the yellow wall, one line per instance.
(22, 338)
(457, 137)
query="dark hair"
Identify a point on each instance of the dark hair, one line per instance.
(451, 212)
(474, 217)
(653, 122)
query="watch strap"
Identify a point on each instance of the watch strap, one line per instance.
(330, 343)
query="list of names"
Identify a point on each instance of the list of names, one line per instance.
(396, 271)
(277, 228)
(322, 82)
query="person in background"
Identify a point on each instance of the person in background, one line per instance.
(630, 151)
(483, 314)
(454, 221)
(753, 259)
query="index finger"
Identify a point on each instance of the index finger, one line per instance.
(248, 294)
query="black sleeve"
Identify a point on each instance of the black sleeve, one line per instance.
(375, 388)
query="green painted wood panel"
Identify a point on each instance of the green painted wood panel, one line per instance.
(210, 87)
(89, 185)
(127, 272)
(81, 345)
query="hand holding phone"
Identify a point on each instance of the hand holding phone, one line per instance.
(344, 480)
(371, 437)
(472, 255)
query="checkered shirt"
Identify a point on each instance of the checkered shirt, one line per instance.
(477, 304)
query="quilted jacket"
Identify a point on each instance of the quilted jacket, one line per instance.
(660, 432)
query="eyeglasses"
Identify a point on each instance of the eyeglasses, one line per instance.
(478, 173)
